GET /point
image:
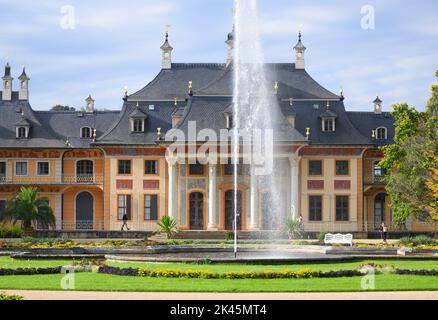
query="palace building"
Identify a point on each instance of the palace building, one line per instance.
(94, 166)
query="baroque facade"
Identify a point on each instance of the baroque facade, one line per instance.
(95, 166)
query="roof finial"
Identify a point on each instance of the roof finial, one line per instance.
(328, 105)
(191, 88)
(276, 87)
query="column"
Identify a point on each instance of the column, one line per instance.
(172, 195)
(58, 211)
(294, 161)
(253, 219)
(212, 198)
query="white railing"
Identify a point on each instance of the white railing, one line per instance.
(82, 179)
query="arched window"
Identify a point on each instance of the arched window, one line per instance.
(381, 133)
(86, 133)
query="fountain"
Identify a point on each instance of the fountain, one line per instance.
(256, 110)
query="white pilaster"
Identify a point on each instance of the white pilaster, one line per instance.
(212, 194)
(172, 208)
(253, 221)
(294, 161)
(58, 211)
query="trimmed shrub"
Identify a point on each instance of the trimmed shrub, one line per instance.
(118, 271)
(9, 297)
(321, 235)
(418, 240)
(10, 231)
(29, 271)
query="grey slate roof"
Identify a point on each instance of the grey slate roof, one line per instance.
(209, 113)
(292, 83)
(365, 122)
(67, 124)
(308, 116)
(11, 115)
(120, 131)
(173, 83)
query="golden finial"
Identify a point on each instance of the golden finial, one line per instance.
(125, 91)
(190, 87)
(175, 100)
(291, 102)
(276, 87)
(373, 134)
(158, 133)
(307, 133)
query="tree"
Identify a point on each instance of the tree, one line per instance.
(412, 160)
(30, 209)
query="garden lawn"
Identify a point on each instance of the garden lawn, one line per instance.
(102, 282)
(9, 263)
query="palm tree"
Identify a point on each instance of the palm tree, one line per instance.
(292, 228)
(168, 225)
(30, 209)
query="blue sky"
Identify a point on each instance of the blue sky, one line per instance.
(116, 43)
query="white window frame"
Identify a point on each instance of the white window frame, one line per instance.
(324, 129)
(81, 133)
(26, 132)
(27, 168)
(142, 126)
(386, 133)
(37, 166)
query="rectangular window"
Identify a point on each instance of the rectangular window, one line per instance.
(328, 125)
(196, 169)
(315, 208)
(124, 166)
(138, 125)
(151, 207)
(315, 167)
(124, 206)
(43, 168)
(342, 208)
(2, 169)
(2, 205)
(21, 168)
(342, 168)
(229, 169)
(151, 167)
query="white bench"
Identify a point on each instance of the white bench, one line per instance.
(338, 239)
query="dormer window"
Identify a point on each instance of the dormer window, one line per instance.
(329, 125)
(86, 133)
(381, 133)
(22, 133)
(328, 120)
(138, 125)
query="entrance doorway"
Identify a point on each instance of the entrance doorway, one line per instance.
(84, 211)
(379, 210)
(196, 204)
(229, 210)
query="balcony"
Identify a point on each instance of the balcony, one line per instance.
(82, 179)
(41, 180)
(374, 180)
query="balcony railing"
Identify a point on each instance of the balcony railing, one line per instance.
(82, 179)
(41, 180)
(374, 179)
(83, 225)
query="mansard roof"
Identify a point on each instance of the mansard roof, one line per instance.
(11, 114)
(66, 125)
(365, 122)
(119, 133)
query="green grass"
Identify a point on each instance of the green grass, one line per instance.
(101, 282)
(7, 262)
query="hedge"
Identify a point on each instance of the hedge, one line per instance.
(9, 297)
(29, 271)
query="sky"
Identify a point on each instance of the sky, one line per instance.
(75, 48)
